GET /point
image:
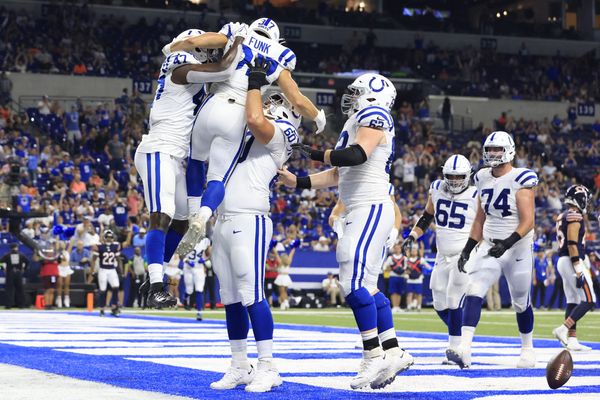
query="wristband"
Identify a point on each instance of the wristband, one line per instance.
(575, 260)
(470, 245)
(303, 182)
(512, 239)
(317, 155)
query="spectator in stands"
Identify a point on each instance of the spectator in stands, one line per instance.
(446, 112)
(595, 272)
(115, 150)
(137, 269)
(80, 257)
(331, 288)
(48, 273)
(415, 264)
(396, 265)
(322, 244)
(44, 105)
(272, 265)
(14, 264)
(6, 86)
(71, 125)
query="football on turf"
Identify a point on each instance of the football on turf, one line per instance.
(559, 369)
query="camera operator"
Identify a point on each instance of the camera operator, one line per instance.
(15, 264)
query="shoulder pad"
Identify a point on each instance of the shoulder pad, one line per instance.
(287, 59)
(435, 185)
(526, 178)
(229, 29)
(375, 117)
(176, 60)
(475, 192)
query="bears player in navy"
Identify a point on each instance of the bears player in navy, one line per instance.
(570, 231)
(108, 256)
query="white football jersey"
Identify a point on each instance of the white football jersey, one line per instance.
(454, 215)
(198, 255)
(248, 188)
(173, 110)
(498, 200)
(252, 46)
(369, 182)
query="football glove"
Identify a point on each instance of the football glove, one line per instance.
(408, 242)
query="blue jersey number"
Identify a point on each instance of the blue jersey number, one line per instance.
(501, 202)
(450, 214)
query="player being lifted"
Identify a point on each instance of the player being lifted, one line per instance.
(243, 233)
(361, 163)
(160, 157)
(452, 204)
(218, 133)
(108, 258)
(506, 204)
(570, 230)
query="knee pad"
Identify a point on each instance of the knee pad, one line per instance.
(439, 300)
(520, 306)
(360, 298)
(380, 300)
(345, 287)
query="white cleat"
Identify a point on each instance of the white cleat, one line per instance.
(234, 377)
(461, 356)
(398, 361)
(527, 359)
(574, 345)
(266, 378)
(369, 369)
(195, 232)
(358, 345)
(562, 334)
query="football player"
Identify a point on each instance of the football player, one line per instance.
(243, 233)
(218, 133)
(107, 255)
(194, 275)
(160, 157)
(361, 162)
(577, 280)
(506, 204)
(452, 204)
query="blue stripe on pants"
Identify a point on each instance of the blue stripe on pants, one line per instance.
(357, 253)
(364, 256)
(256, 258)
(149, 179)
(236, 157)
(263, 260)
(157, 166)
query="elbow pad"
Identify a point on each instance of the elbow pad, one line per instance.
(351, 155)
(424, 222)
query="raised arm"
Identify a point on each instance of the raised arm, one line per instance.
(420, 227)
(208, 40)
(290, 89)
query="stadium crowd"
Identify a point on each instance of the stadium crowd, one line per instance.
(74, 40)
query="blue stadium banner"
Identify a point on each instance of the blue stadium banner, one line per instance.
(325, 99)
(488, 43)
(143, 86)
(292, 32)
(586, 109)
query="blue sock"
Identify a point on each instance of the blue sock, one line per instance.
(472, 310)
(238, 325)
(262, 320)
(199, 301)
(214, 194)
(171, 242)
(195, 177)
(364, 309)
(102, 298)
(385, 320)
(443, 315)
(525, 320)
(455, 317)
(155, 246)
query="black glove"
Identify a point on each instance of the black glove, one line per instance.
(407, 244)
(257, 77)
(579, 281)
(462, 261)
(498, 249)
(308, 152)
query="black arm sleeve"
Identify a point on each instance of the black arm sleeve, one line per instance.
(349, 156)
(424, 222)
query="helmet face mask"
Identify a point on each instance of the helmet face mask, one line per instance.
(277, 106)
(498, 149)
(457, 173)
(108, 235)
(368, 90)
(578, 196)
(456, 183)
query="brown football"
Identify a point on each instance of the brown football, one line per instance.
(559, 369)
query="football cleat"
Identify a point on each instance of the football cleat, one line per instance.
(199, 316)
(266, 378)
(102, 313)
(527, 359)
(461, 356)
(162, 299)
(369, 370)
(574, 345)
(195, 232)
(398, 362)
(234, 377)
(562, 334)
(115, 312)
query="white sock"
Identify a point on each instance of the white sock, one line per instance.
(155, 271)
(467, 335)
(265, 350)
(194, 204)
(239, 353)
(387, 335)
(67, 301)
(453, 341)
(527, 340)
(205, 211)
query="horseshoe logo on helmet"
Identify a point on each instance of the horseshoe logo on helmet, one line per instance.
(383, 84)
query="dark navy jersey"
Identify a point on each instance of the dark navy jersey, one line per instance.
(562, 223)
(108, 255)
